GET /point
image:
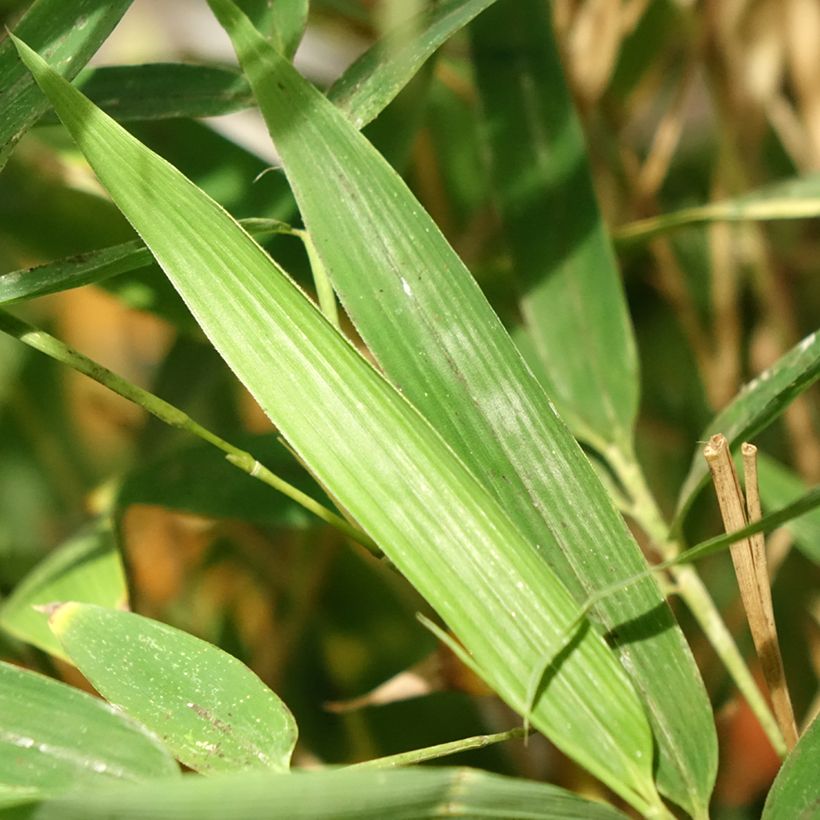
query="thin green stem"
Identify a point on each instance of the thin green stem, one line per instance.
(173, 416)
(441, 750)
(691, 589)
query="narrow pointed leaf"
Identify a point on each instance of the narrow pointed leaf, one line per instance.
(329, 795)
(797, 198)
(386, 466)
(87, 568)
(282, 23)
(210, 710)
(572, 300)
(96, 266)
(381, 72)
(430, 327)
(68, 32)
(795, 794)
(757, 405)
(780, 486)
(54, 737)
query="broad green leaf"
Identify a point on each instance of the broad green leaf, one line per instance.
(85, 568)
(378, 457)
(54, 737)
(96, 266)
(381, 72)
(197, 479)
(68, 32)
(572, 300)
(757, 405)
(796, 198)
(427, 323)
(795, 794)
(210, 710)
(780, 486)
(341, 795)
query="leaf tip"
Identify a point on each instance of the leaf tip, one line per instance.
(59, 615)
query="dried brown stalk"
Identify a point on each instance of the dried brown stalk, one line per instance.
(749, 559)
(769, 652)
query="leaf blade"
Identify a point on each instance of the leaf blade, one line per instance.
(69, 32)
(208, 708)
(87, 568)
(42, 750)
(571, 295)
(364, 795)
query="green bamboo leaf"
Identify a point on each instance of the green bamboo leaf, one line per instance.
(282, 23)
(795, 198)
(97, 266)
(780, 486)
(572, 300)
(54, 737)
(757, 405)
(408, 793)
(380, 73)
(68, 32)
(436, 337)
(85, 568)
(197, 479)
(385, 465)
(795, 794)
(210, 710)
(159, 91)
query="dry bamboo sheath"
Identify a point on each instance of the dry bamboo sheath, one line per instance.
(749, 558)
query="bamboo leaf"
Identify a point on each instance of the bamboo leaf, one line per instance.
(54, 738)
(363, 441)
(780, 486)
(436, 337)
(408, 793)
(757, 405)
(210, 710)
(282, 23)
(96, 266)
(68, 32)
(381, 72)
(795, 794)
(159, 91)
(85, 568)
(571, 297)
(795, 198)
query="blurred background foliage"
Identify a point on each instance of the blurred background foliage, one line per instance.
(682, 103)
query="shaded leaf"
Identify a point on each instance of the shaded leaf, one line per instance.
(408, 793)
(54, 737)
(795, 794)
(68, 32)
(395, 476)
(85, 568)
(211, 711)
(572, 300)
(427, 323)
(158, 91)
(757, 405)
